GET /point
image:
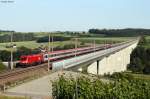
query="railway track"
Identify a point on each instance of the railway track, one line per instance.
(14, 76)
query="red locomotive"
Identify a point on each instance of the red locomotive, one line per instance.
(29, 60)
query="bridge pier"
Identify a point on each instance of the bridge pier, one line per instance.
(97, 67)
(80, 69)
(115, 62)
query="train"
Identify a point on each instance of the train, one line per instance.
(36, 59)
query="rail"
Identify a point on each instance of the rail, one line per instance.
(20, 74)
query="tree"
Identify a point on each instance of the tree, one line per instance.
(140, 58)
(142, 41)
(146, 70)
(120, 32)
(5, 55)
(2, 66)
(55, 38)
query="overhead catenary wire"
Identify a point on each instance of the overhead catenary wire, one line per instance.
(11, 56)
(49, 49)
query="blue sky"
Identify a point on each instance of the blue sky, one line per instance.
(74, 15)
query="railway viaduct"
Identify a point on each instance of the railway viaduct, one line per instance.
(110, 60)
(102, 62)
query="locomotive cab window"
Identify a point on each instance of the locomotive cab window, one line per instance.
(46, 56)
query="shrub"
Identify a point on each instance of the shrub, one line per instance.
(55, 38)
(122, 87)
(2, 66)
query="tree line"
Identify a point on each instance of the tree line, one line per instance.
(17, 37)
(55, 38)
(29, 37)
(140, 58)
(120, 32)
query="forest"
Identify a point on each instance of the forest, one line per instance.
(6, 37)
(140, 58)
(120, 32)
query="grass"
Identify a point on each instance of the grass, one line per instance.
(42, 34)
(3, 33)
(138, 75)
(142, 76)
(148, 37)
(104, 39)
(33, 44)
(148, 44)
(2, 66)
(10, 97)
(109, 38)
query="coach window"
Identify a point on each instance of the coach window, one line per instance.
(46, 56)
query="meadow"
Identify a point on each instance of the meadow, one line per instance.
(147, 45)
(34, 44)
(102, 40)
(8, 97)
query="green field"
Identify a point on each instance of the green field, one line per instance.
(8, 97)
(148, 37)
(42, 34)
(33, 44)
(141, 76)
(138, 75)
(109, 38)
(102, 40)
(148, 42)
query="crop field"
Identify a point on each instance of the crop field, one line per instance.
(104, 39)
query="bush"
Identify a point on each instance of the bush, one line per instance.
(139, 59)
(118, 76)
(5, 55)
(85, 88)
(17, 37)
(55, 38)
(146, 70)
(2, 66)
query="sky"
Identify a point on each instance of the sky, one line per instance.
(73, 15)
